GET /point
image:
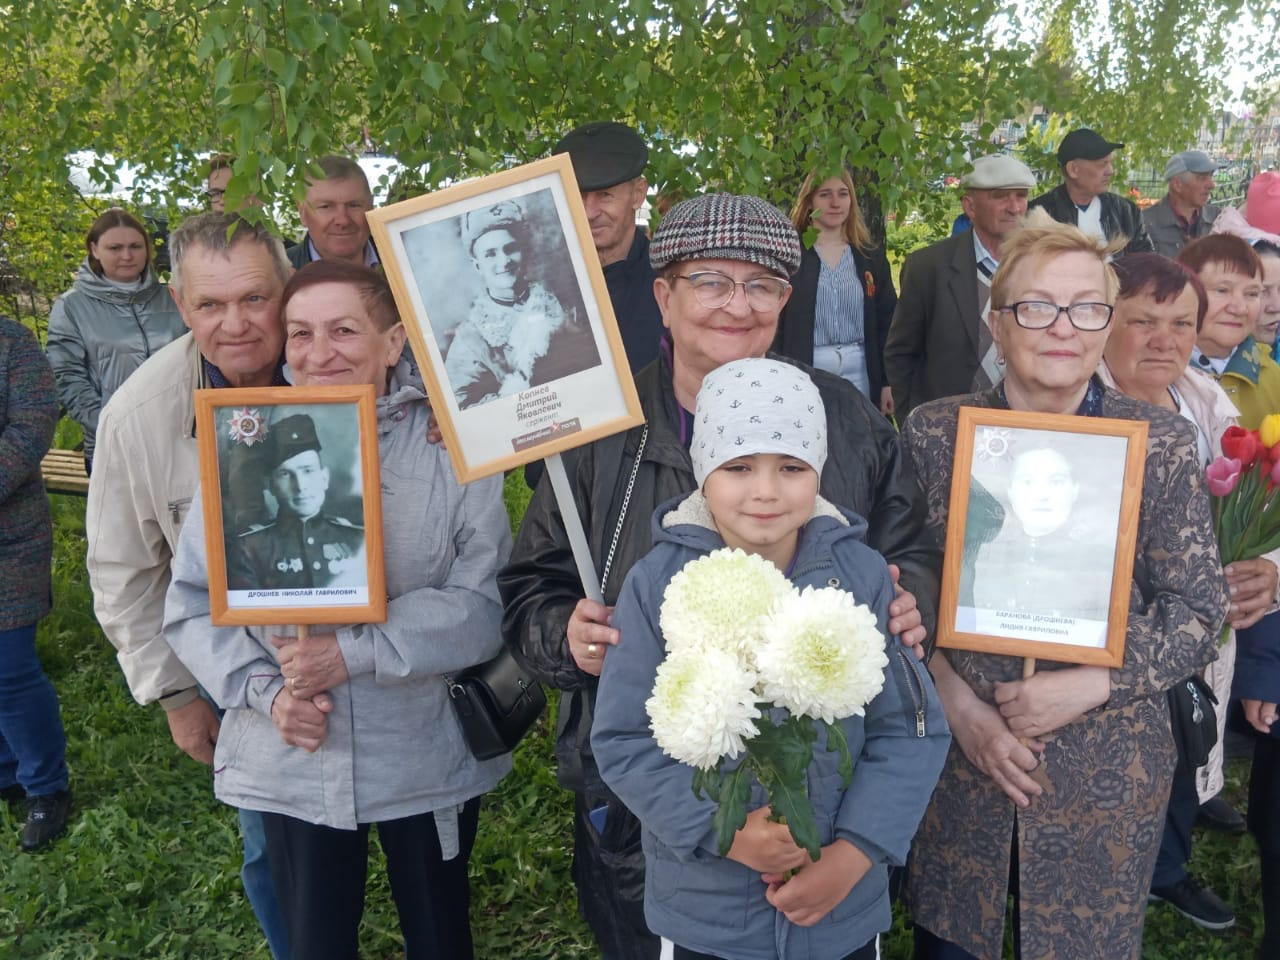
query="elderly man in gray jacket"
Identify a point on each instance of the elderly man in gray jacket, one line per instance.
(1184, 213)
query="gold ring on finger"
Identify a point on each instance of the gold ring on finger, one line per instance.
(593, 650)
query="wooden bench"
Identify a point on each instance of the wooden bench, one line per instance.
(63, 472)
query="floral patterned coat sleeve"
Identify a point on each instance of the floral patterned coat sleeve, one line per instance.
(1087, 847)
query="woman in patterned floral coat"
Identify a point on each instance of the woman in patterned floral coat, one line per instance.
(1055, 786)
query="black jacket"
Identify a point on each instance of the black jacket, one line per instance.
(795, 327)
(865, 472)
(630, 284)
(1119, 215)
(931, 350)
(299, 253)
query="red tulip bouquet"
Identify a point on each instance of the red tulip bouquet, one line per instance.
(1245, 487)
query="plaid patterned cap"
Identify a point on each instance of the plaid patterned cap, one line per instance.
(725, 226)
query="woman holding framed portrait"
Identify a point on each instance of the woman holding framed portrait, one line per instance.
(1043, 768)
(351, 725)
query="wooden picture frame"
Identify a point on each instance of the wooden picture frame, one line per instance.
(501, 292)
(1041, 532)
(292, 505)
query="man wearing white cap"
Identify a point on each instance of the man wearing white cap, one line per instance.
(938, 343)
(1185, 213)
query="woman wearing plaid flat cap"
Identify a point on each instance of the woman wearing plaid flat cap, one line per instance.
(722, 263)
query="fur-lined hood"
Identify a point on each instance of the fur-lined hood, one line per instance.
(688, 521)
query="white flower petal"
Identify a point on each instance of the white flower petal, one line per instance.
(703, 706)
(719, 600)
(822, 655)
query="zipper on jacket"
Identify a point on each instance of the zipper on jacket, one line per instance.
(916, 686)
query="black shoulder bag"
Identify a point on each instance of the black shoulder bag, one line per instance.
(496, 702)
(1193, 721)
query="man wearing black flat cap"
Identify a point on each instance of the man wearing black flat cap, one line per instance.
(608, 160)
(1082, 199)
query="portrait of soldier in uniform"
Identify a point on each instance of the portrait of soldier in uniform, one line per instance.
(498, 284)
(305, 545)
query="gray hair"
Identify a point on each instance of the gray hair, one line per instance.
(341, 168)
(219, 232)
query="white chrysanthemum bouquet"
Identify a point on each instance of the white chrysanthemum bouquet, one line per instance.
(742, 639)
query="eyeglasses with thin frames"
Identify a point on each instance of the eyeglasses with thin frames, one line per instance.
(1040, 314)
(714, 290)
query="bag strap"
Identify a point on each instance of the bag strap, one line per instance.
(455, 689)
(622, 514)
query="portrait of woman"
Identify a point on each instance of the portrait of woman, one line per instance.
(1033, 547)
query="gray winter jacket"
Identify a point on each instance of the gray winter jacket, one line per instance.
(709, 903)
(394, 746)
(99, 333)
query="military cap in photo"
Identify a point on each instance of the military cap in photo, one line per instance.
(503, 215)
(1189, 161)
(726, 226)
(998, 172)
(604, 154)
(291, 436)
(1085, 144)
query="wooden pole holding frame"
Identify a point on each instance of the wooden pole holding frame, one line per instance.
(573, 528)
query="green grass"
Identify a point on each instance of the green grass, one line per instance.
(150, 867)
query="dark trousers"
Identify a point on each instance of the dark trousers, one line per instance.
(865, 952)
(1264, 824)
(1175, 843)
(608, 870)
(319, 876)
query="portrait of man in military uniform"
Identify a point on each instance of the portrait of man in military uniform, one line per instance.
(306, 545)
(505, 308)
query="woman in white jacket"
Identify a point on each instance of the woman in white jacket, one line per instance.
(353, 726)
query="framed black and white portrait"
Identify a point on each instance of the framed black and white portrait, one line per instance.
(1041, 535)
(293, 518)
(500, 289)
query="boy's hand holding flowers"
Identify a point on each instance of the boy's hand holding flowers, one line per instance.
(815, 889)
(742, 642)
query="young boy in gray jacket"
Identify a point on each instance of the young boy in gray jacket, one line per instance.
(758, 448)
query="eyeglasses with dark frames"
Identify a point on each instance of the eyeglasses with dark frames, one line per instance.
(714, 290)
(1040, 314)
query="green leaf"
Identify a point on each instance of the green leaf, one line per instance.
(364, 53)
(274, 59)
(242, 93)
(731, 814)
(791, 806)
(838, 742)
(433, 75)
